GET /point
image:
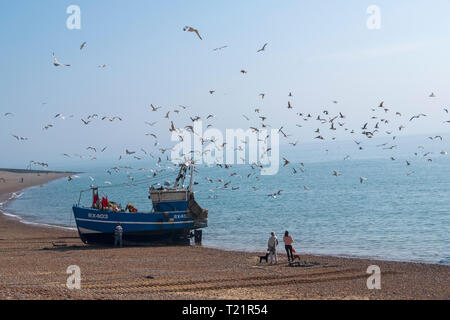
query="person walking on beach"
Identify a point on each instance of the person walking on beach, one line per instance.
(287, 239)
(118, 235)
(272, 247)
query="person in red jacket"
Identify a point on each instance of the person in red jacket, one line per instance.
(287, 239)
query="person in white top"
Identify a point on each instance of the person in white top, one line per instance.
(118, 232)
(272, 247)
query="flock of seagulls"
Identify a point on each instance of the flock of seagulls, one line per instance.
(326, 123)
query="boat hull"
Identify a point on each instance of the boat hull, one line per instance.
(96, 226)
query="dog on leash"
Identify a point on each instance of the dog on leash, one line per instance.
(261, 258)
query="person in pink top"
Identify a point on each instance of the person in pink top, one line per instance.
(287, 239)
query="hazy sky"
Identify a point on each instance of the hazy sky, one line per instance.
(319, 50)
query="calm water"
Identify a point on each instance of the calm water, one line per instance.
(392, 215)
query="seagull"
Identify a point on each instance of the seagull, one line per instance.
(56, 63)
(190, 29)
(432, 95)
(83, 45)
(220, 48)
(8, 114)
(263, 48)
(243, 71)
(154, 108)
(417, 116)
(274, 196)
(19, 138)
(361, 179)
(336, 174)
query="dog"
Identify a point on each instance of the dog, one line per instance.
(261, 258)
(295, 256)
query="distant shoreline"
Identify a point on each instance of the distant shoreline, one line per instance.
(36, 171)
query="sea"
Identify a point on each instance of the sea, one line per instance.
(399, 212)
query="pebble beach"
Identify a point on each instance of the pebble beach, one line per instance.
(34, 261)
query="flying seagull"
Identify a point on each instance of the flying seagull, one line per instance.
(190, 29)
(220, 48)
(56, 63)
(263, 48)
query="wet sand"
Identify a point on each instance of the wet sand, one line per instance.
(34, 260)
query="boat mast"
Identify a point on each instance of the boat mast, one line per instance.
(191, 182)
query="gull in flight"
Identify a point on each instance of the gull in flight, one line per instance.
(19, 138)
(56, 63)
(83, 45)
(129, 152)
(154, 108)
(263, 48)
(190, 29)
(220, 48)
(274, 196)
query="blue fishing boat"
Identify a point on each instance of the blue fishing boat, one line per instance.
(176, 217)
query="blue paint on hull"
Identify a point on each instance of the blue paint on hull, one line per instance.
(98, 226)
